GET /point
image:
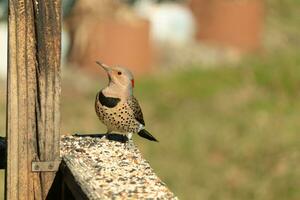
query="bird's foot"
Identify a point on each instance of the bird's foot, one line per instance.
(105, 136)
(129, 143)
(93, 135)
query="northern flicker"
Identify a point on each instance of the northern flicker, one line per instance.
(116, 106)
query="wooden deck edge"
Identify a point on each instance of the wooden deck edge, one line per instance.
(71, 182)
(95, 168)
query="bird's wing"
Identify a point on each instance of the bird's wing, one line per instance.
(136, 109)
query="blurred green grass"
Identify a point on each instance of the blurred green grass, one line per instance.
(225, 133)
(230, 132)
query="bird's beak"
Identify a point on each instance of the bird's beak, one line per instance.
(105, 67)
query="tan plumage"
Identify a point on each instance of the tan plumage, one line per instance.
(116, 106)
(120, 118)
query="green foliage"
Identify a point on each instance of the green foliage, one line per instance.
(225, 133)
(231, 132)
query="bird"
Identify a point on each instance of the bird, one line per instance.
(117, 108)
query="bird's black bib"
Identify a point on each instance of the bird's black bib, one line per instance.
(109, 102)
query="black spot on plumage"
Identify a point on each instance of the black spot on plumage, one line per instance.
(109, 102)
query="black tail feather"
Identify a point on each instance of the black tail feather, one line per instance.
(145, 134)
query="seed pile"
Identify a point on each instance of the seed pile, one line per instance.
(110, 170)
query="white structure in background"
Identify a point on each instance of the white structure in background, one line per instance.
(3, 49)
(170, 22)
(65, 45)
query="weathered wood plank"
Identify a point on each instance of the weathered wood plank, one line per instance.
(105, 169)
(33, 95)
(48, 34)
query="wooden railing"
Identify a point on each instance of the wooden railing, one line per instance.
(98, 168)
(106, 169)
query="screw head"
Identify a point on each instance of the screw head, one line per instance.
(50, 166)
(36, 167)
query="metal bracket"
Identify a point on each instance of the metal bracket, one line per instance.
(45, 166)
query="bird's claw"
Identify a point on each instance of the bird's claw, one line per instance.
(129, 144)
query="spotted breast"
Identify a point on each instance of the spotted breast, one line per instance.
(118, 115)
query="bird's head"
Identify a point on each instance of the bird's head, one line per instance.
(118, 76)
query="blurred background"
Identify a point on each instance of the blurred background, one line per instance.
(218, 81)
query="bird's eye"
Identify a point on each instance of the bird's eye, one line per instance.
(119, 73)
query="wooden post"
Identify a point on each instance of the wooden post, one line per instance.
(33, 97)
